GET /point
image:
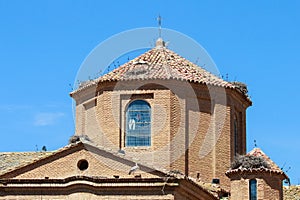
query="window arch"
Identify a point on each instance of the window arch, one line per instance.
(138, 124)
(252, 189)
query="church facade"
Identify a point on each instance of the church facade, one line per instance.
(157, 127)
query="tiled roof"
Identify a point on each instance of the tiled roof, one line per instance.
(259, 153)
(13, 160)
(161, 63)
(10, 161)
(273, 168)
(215, 189)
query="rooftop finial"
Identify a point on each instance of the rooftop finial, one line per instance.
(159, 26)
(159, 42)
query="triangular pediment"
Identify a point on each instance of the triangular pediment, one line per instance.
(81, 159)
(60, 173)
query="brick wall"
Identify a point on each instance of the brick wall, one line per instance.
(269, 186)
(101, 164)
(190, 132)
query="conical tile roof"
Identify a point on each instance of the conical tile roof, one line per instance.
(259, 153)
(161, 63)
(164, 64)
(272, 167)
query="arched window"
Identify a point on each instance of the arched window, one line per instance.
(138, 124)
(252, 189)
(236, 137)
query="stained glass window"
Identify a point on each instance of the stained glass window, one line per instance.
(138, 124)
(252, 189)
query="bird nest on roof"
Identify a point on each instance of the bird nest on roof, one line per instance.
(77, 138)
(249, 162)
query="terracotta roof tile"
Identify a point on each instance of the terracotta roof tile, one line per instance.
(215, 189)
(163, 64)
(259, 153)
(13, 160)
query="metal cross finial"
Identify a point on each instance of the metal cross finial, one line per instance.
(159, 25)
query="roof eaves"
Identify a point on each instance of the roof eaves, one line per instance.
(88, 85)
(255, 170)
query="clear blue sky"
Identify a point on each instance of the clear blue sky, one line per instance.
(43, 43)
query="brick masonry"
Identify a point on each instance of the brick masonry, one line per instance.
(192, 125)
(269, 186)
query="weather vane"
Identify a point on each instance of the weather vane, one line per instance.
(159, 25)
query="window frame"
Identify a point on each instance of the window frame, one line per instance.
(136, 135)
(252, 189)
